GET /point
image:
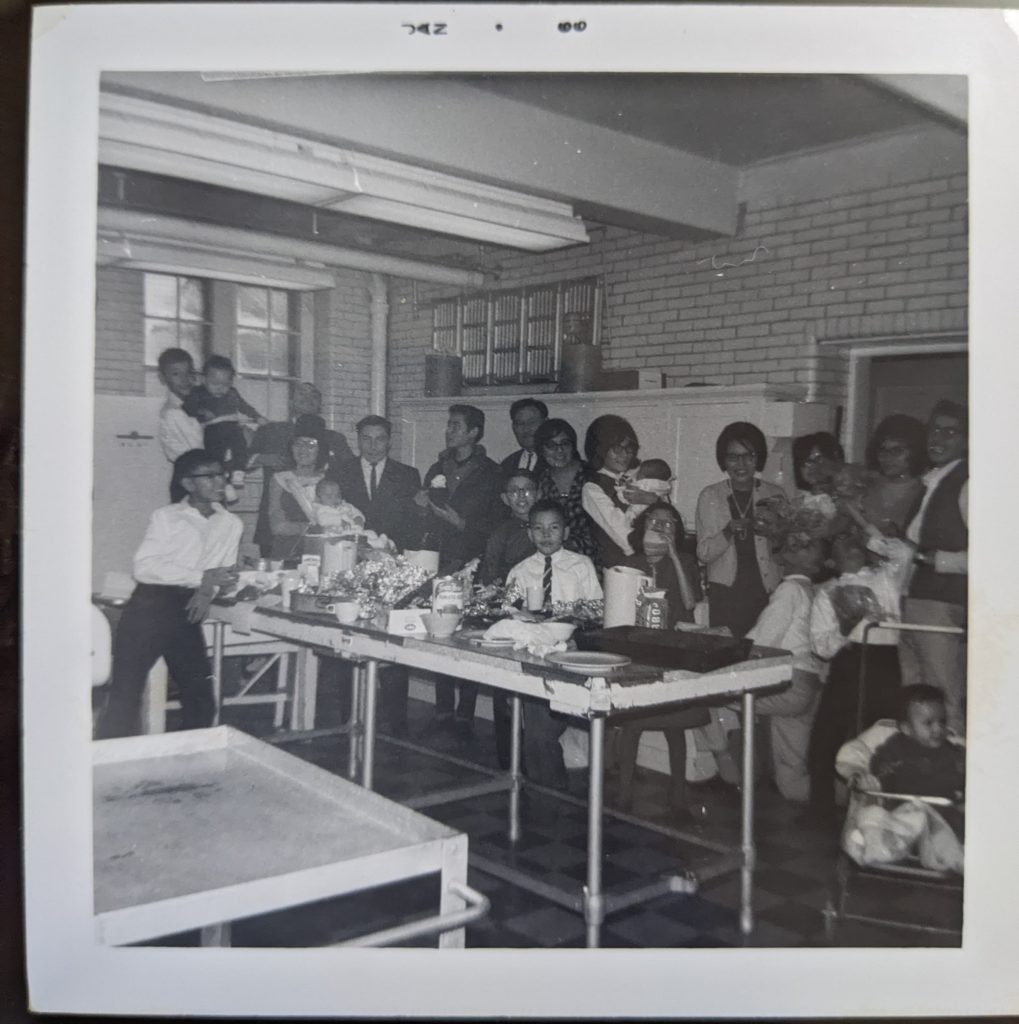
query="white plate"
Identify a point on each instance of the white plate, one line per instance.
(589, 661)
(499, 641)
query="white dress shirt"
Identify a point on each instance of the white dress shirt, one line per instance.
(573, 576)
(613, 520)
(178, 432)
(785, 622)
(366, 472)
(944, 561)
(527, 459)
(180, 544)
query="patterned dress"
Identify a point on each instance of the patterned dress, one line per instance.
(581, 538)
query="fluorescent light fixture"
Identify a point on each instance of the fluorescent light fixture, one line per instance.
(158, 138)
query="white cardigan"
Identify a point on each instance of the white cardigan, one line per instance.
(717, 551)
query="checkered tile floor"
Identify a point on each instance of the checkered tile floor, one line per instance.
(795, 865)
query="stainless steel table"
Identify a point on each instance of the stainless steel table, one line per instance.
(594, 698)
(195, 829)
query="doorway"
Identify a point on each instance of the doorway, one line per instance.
(902, 377)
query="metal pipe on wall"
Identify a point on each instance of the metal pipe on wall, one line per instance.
(379, 306)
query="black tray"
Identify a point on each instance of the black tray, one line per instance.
(691, 652)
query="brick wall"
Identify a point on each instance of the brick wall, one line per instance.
(881, 261)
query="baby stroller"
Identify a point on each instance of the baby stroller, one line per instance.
(907, 869)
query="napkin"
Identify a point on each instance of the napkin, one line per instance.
(533, 636)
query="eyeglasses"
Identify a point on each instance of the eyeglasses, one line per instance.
(305, 442)
(627, 447)
(199, 476)
(944, 431)
(735, 457)
(515, 492)
(561, 446)
(892, 449)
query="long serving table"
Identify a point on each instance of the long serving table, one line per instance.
(632, 688)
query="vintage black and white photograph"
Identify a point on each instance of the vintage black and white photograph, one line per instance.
(529, 510)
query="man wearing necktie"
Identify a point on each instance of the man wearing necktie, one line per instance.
(383, 489)
(526, 415)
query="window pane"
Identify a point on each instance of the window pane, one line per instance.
(159, 334)
(192, 299)
(280, 363)
(252, 351)
(160, 295)
(252, 306)
(192, 339)
(279, 309)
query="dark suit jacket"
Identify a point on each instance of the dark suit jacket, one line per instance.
(510, 463)
(393, 511)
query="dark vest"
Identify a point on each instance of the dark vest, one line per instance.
(943, 529)
(610, 553)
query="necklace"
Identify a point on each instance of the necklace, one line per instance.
(743, 511)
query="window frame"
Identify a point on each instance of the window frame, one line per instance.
(458, 320)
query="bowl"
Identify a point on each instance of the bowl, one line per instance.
(559, 630)
(441, 624)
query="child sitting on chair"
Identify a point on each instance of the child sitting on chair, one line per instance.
(871, 571)
(915, 755)
(332, 513)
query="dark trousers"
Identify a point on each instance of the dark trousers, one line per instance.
(839, 709)
(227, 443)
(154, 625)
(542, 729)
(445, 695)
(393, 689)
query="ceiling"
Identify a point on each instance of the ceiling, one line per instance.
(737, 119)
(666, 153)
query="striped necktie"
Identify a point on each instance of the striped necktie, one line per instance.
(546, 583)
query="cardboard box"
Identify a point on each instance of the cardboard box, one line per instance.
(407, 622)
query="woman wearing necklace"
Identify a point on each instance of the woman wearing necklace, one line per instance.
(742, 570)
(897, 455)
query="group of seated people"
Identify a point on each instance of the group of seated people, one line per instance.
(807, 573)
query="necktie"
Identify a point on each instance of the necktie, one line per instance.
(546, 583)
(374, 481)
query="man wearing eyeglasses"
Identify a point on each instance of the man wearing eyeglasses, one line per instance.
(188, 553)
(938, 590)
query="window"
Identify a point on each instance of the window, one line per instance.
(177, 315)
(267, 347)
(516, 335)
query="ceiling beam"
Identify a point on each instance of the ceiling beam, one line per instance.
(453, 128)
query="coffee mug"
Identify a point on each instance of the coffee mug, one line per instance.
(347, 612)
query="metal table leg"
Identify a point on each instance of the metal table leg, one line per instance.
(356, 721)
(514, 801)
(594, 908)
(371, 687)
(218, 633)
(746, 893)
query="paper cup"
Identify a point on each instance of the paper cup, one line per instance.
(535, 597)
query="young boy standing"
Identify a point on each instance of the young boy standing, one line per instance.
(563, 576)
(189, 551)
(178, 432)
(509, 543)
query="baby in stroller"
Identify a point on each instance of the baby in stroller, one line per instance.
(907, 780)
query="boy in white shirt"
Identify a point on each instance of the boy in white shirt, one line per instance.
(178, 432)
(188, 553)
(564, 576)
(785, 623)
